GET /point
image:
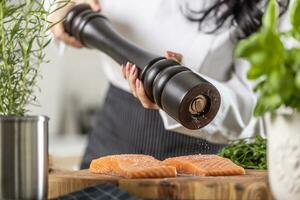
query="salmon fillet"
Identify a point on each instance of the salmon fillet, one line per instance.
(132, 166)
(205, 165)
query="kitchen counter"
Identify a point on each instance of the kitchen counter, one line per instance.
(253, 185)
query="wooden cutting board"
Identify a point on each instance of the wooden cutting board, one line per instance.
(252, 186)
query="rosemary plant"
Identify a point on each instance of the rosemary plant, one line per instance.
(23, 37)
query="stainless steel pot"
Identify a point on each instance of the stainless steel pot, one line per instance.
(23, 157)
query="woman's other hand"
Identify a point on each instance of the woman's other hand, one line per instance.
(130, 73)
(56, 18)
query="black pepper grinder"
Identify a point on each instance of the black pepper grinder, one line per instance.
(183, 94)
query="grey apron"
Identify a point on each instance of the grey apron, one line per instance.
(124, 126)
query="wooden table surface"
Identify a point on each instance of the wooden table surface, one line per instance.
(252, 186)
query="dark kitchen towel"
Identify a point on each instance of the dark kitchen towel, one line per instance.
(105, 191)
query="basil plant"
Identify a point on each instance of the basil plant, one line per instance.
(274, 66)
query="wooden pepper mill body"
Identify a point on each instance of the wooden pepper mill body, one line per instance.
(183, 94)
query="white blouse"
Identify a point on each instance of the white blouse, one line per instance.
(158, 26)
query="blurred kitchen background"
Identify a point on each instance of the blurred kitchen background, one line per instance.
(72, 87)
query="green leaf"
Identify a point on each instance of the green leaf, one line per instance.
(295, 15)
(275, 81)
(271, 15)
(295, 34)
(262, 56)
(260, 85)
(246, 47)
(267, 102)
(293, 58)
(255, 72)
(297, 79)
(286, 88)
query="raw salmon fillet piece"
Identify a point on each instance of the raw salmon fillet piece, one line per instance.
(132, 166)
(205, 165)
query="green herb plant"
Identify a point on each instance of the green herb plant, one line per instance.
(248, 153)
(274, 66)
(23, 37)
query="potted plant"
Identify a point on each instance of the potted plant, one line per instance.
(23, 138)
(275, 65)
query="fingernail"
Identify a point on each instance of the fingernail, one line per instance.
(133, 69)
(97, 7)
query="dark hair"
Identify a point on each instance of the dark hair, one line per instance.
(245, 14)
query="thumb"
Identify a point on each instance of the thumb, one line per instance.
(95, 5)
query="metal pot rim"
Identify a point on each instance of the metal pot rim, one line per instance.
(24, 118)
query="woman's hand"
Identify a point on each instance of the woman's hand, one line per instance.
(56, 18)
(130, 73)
